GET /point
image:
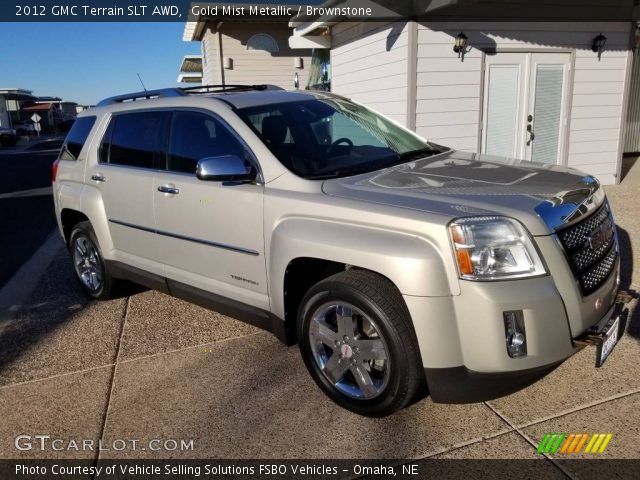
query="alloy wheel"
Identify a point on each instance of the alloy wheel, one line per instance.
(86, 261)
(349, 349)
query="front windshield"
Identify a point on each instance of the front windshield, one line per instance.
(332, 137)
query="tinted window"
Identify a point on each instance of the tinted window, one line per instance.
(76, 137)
(332, 137)
(195, 136)
(134, 140)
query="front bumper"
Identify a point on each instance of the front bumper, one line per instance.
(461, 385)
(462, 338)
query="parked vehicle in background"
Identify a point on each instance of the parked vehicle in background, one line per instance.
(398, 265)
(8, 137)
(25, 127)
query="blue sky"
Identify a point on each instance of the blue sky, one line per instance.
(85, 62)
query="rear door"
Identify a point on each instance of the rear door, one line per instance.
(210, 233)
(129, 156)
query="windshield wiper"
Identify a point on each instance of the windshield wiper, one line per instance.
(338, 173)
(422, 152)
(386, 162)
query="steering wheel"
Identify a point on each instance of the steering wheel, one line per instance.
(338, 142)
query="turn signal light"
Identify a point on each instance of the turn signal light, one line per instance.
(465, 265)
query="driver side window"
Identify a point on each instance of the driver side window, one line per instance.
(195, 136)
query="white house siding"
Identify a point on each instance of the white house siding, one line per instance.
(449, 91)
(369, 64)
(251, 66)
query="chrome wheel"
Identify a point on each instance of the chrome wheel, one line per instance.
(349, 350)
(86, 261)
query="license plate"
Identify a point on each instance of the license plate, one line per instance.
(609, 341)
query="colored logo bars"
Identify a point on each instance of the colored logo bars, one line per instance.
(574, 442)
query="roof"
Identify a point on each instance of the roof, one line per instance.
(39, 107)
(267, 97)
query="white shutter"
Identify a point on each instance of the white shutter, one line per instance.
(547, 113)
(632, 140)
(502, 110)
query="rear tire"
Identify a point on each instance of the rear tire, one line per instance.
(358, 343)
(88, 263)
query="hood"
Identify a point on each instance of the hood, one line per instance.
(456, 184)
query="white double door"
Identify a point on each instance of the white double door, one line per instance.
(525, 105)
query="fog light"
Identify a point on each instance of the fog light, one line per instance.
(515, 335)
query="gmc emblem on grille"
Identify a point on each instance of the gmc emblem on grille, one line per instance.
(601, 235)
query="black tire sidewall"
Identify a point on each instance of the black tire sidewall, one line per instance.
(84, 229)
(383, 404)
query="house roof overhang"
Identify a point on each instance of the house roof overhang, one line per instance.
(39, 107)
(189, 78)
(191, 64)
(203, 13)
(190, 69)
(308, 32)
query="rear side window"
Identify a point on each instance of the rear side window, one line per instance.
(133, 139)
(76, 138)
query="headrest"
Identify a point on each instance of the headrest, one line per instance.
(274, 129)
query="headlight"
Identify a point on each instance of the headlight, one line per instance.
(494, 248)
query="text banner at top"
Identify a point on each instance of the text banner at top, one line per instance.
(317, 10)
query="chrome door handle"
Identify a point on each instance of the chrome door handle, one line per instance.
(170, 190)
(99, 178)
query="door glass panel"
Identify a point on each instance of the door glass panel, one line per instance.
(547, 113)
(502, 110)
(195, 136)
(134, 141)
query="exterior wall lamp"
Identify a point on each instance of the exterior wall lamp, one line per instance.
(460, 44)
(598, 44)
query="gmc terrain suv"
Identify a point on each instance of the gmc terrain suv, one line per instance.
(400, 266)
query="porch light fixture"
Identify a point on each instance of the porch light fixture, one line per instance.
(460, 44)
(598, 44)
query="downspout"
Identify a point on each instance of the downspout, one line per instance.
(221, 56)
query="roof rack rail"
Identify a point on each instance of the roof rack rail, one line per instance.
(227, 88)
(144, 95)
(180, 92)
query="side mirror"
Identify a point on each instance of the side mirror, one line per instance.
(225, 168)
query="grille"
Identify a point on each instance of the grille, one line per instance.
(592, 264)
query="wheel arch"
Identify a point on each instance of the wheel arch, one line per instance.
(304, 252)
(68, 219)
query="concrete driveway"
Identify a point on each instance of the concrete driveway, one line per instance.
(149, 366)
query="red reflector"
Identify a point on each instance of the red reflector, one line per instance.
(54, 171)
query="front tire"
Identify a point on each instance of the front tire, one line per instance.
(88, 263)
(358, 343)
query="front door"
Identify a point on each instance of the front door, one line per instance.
(210, 233)
(525, 105)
